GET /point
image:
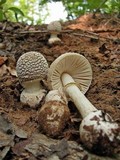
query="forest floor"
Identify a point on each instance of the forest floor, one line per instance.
(98, 39)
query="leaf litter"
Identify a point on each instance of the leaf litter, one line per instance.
(95, 38)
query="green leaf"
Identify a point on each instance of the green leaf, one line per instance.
(1, 15)
(2, 2)
(16, 10)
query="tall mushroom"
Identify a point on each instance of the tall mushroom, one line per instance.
(73, 72)
(31, 68)
(54, 28)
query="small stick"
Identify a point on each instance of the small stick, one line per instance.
(84, 35)
(23, 32)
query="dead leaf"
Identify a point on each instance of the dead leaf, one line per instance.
(61, 149)
(11, 66)
(20, 133)
(4, 152)
(19, 148)
(40, 145)
(2, 60)
(5, 140)
(6, 137)
(12, 71)
(5, 125)
(3, 70)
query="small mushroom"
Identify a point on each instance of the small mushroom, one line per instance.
(54, 114)
(73, 73)
(54, 28)
(31, 68)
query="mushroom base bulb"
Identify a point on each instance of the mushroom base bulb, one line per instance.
(53, 117)
(56, 95)
(54, 40)
(32, 99)
(99, 133)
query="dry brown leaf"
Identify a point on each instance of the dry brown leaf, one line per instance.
(3, 70)
(12, 71)
(6, 140)
(20, 133)
(2, 60)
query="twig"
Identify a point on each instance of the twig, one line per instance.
(92, 33)
(84, 35)
(107, 30)
(112, 19)
(96, 36)
(24, 32)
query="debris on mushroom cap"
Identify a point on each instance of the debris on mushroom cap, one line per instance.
(31, 65)
(76, 65)
(54, 114)
(100, 133)
(54, 26)
(56, 95)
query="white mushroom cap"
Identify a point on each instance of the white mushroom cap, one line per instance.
(31, 66)
(54, 27)
(76, 65)
(100, 133)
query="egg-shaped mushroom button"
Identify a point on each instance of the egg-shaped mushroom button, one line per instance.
(54, 114)
(31, 68)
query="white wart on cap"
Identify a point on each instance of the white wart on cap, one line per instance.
(54, 28)
(31, 68)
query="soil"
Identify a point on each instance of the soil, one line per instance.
(98, 39)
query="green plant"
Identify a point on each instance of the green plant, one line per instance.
(113, 6)
(76, 8)
(36, 11)
(5, 11)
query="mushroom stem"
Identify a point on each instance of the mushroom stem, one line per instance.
(53, 35)
(32, 86)
(53, 38)
(83, 105)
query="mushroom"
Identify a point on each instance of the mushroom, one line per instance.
(54, 28)
(31, 68)
(73, 73)
(54, 114)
